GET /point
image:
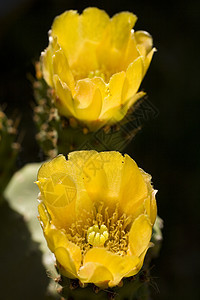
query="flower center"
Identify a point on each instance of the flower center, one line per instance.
(97, 236)
(97, 73)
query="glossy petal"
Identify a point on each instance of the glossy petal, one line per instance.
(144, 42)
(153, 207)
(101, 85)
(148, 59)
(115, 87)
(47, 60)
(67, 253)
(140, 235)
(150, 202)
(95, 273)
(133, 190)
(131, 53)
(66, 29)
(104, 170)
(47, 67)
(44, 216)
(93, 24)
(137, 268)
(66, 264)
(114, 114)
(121, 25)
(64, 101)
(134, 99)
(133, 79)
(88, 101)
(117, 265)
(58, 164)
(58, 191)
(61, 68)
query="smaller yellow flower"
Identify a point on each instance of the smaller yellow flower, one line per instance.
(97, 211)
(96, 64)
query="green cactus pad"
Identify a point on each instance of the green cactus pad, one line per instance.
(28, 261)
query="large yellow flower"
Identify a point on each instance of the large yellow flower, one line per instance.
(96, 64)
(97, 211)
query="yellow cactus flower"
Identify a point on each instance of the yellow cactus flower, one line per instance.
(97, 210)
(95, 65)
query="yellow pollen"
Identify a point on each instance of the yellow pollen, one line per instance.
(97, 236)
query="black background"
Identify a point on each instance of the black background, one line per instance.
(167, 147)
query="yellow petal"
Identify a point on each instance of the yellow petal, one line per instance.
(134, 99)
(150, 202)
(44, 216)
(147, 209)
(91, 167)
(153, 207)
(101, 85)
(105, 178)
(58, 164)
(58, 191)
(133, 79)
(77, 163)
(86, 60)
(139, 265)
(133, 188)
(47, 67)
(108, 56)
(115, 87)
(95, 273)
(64, 101)
(93, 23)
(47, 60)
(145, 40)
(121, 25)
(117, 265)
(114, 114)
(117, 113)
(87, 100)
(101, 174)
(140, 235)
(131, 52)
(67, 253)
(60, 199)
(144, 45)
(67, 30)
(61, 68)
(110, 51)
(148, 59)
(65, 262)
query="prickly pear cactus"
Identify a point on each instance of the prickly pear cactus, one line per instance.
(19, 215)
(57, 134)
(9, 150)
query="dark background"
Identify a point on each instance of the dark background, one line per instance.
(167, 147)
